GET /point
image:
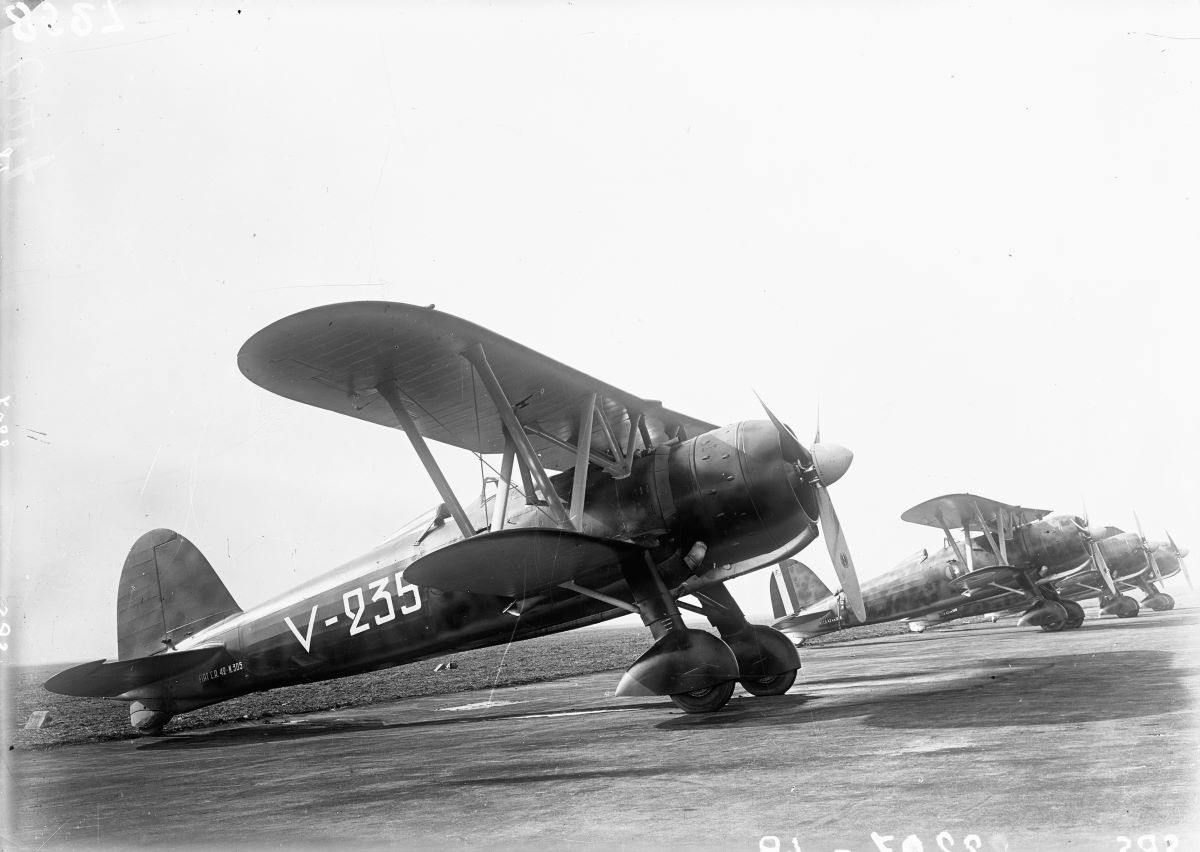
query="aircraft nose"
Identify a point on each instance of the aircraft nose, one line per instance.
(832, 461)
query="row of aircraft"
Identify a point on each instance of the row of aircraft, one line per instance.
(604, 504)
(1009, 560)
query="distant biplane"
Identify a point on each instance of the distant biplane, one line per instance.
(650, 506)
(1010, 559)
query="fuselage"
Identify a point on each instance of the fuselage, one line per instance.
(916, 586)
(729, 488)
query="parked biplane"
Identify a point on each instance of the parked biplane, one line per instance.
(1136, 563)
(649, 506)
(1010, 559)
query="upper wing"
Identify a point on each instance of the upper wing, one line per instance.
(958, 510)
(335, 356)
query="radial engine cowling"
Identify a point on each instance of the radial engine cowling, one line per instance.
(1055, 541)
(734, 490)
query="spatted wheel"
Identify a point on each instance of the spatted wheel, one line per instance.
(773, 685)
(707, 700)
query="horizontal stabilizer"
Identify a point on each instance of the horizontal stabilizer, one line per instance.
(807, 623)
(956, 511)
(794, 586)
(518, 563)
(100, 679)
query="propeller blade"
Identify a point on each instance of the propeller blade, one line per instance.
(1182, 565)
(793, 450)
(1102, 566)
(839, 553)
(1152, 564)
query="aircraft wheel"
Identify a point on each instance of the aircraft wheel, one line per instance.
(707, 700)
(1074, 614)
(1168, 602)
(1126, 607)
(1053, 626)
(773, 685)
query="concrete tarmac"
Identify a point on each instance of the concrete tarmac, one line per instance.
(979, 737)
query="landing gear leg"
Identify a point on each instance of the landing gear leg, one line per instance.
(767, 660)
(695, 668)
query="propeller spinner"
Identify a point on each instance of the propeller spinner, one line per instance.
(825, 464)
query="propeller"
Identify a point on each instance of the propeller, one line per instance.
(1148, 549)
(1181, 552)
(1092, 536)
(824, 465)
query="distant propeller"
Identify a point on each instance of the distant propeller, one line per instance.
(824, 465)
(1092, 536)
(1181, 552)
(1148, 549)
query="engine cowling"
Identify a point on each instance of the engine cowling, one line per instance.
(734, 490)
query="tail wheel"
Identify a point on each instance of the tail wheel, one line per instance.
(773, 685)
(1074, 614)
(707, 700)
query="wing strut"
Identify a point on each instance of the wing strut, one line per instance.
(500, 507)
(388, 391)
(529, 458)
(950, 538)
(987, 532)
(967, 544)
(583, 451)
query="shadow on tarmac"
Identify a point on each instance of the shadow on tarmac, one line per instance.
(301, 729)
(1064, 690)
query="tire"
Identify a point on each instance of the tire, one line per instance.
(1075, 614)
(707, 700)
(1168, 602)
(1127, 607)
(1054, 626)
(773, 685)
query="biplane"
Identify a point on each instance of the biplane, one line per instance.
(1009, 558)
(604, 503)
(1136, 563)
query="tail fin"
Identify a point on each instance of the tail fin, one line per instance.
(794, 586)
(168, 591)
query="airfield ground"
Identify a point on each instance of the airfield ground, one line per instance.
(976, 737)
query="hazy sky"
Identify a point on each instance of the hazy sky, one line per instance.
(968, 229)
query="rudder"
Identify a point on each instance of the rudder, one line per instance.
(168, 591)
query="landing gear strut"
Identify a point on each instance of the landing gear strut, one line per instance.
(695, 668)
